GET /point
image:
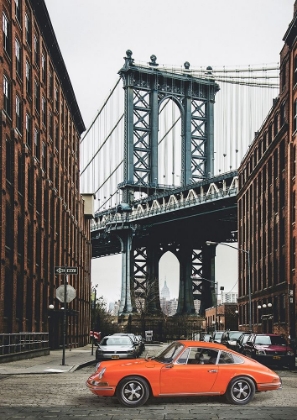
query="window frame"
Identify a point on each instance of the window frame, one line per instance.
(7, 95)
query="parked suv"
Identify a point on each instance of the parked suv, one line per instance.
(269, 349)
(229, 338)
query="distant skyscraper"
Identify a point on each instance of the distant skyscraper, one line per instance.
(165, 292)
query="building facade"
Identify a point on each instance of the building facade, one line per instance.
(42, 220)
(223, 316)
(267, 210)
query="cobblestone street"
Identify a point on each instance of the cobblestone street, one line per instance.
(65, 396)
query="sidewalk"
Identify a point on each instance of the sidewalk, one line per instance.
(51, 363)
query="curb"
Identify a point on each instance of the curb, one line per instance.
(82, 365)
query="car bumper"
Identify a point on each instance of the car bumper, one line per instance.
(273, 386)
(102, 389)
(111, 356)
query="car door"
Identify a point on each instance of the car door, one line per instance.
(187, 377)
(249, 346)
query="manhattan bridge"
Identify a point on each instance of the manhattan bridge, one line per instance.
(161, 160)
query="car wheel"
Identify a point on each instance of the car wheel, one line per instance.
(240, 391)
(133, 391)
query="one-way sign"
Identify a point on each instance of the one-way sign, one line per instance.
(66, 270)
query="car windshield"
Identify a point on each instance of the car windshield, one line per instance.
(218, 334)
(270, 340)
(235, 335)
(116, 341)
(170, 353)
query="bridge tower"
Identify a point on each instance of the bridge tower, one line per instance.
(146, 88)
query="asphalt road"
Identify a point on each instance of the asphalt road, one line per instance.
(65, 396)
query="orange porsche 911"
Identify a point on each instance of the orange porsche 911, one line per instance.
(184, 368)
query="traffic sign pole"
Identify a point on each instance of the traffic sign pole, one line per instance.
(65, 316)
(66, 270)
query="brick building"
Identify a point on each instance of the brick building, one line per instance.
(42, 220)
(267, 209)
(224, 316)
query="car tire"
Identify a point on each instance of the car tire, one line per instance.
(240, 390)
(133, 391)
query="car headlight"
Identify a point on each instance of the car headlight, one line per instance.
(131, 351)
(260, 352)
(290, 353)
(101, 373)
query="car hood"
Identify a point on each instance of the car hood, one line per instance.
(128, 363)
(116, 348)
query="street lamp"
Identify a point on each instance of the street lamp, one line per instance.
(265, 316)
(247, 253)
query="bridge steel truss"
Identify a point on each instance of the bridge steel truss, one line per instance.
(179, 221)
(146, 229)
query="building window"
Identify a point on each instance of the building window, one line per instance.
(36, 143)
(295, 70)
(51, 126)
(43, 67)
(51, 84)
(7, 95)
(282, 309)
(275, 122)
(44, 157)
(293, 207)
(18, 61)
(9, 160)
(18, 15)
(282, 114)
(270, 134)
(37, 96)
(28, 131)
(57, 99)
(284, 76)
(43, 110)
(28, 32)
(18, 113)
(28, 79)
(36, 49)
(6, 34)
(295, 116)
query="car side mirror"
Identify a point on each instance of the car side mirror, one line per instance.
(169, 366)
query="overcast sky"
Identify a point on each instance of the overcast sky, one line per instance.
(94, 35)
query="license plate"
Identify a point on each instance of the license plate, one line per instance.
(115, 356)
(276, 357)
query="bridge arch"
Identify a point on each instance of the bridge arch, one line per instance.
(169, 275)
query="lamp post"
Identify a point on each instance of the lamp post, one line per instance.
(265, 317)
(247, 253)
(93, 317)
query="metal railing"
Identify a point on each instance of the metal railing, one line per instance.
(11, 343)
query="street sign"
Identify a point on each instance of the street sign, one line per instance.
(70, 293)
(66, 270)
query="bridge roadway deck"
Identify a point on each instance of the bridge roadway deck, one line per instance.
(204, 211)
